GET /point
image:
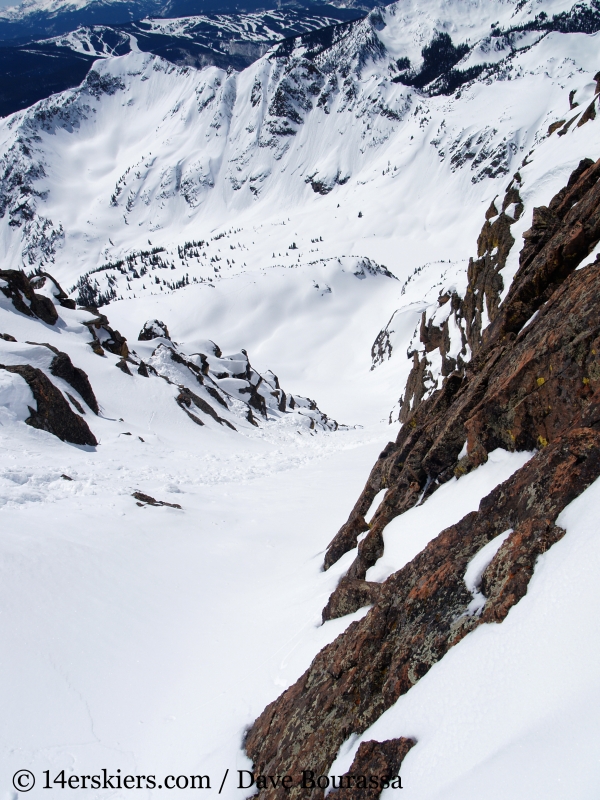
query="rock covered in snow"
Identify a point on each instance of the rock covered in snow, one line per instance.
(153, 329)
(210, 388)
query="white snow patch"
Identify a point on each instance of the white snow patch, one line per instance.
(477, 566)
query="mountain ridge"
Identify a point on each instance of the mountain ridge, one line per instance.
(398, 216)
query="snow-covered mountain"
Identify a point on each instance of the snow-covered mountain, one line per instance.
(36, 69)
(233, 177)
(42, 18)
(348, 213)
(194, 41)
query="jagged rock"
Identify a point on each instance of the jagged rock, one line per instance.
(365, 266)
(568, 225)
(350, 595)
(122, 365)
(186, 398)
(497, 400)
(560, 237)
(7, 337)
(104, 337)
(379, 759)
(75, 402)
(43, 279)
(519, 396)
(18, 288)
(143, 370)
(233, 384)
(63, 367)
(480, 303)
(535, 386)
(423, 610)
(148, 500)
(588, 114)
(485, 281)
(153, 329)
(53, 413)
(383, 475)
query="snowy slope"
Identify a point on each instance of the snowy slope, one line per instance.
(181, 156)
(292, 210)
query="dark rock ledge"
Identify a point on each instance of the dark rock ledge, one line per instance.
(53, 413)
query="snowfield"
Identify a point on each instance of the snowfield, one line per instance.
(288, 213)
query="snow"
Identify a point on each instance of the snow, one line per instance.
(477, 566)
(148, 638)
(141, 621)
(405, 536)
(15, 398)
(216, 32)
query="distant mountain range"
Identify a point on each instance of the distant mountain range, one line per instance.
(45, 18)
(47, 47)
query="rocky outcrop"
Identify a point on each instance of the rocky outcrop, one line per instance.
(15, 285)
(62, 367)
(533, 386)
(186, 399)
(153, 329)
(148, 500)
(495, 242)
(215, 384)
(225, 389)
(501, 387)
(104, 337)
(560, 236)
(53, 412)
(454, 327)
(375, 765)
(43, 280)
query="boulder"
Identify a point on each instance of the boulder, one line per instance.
(153, 329)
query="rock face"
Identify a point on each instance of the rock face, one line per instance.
(207, 386)
(510, 394)
(53, 413)
(380, 760)
(45, 281)
(104, 337)
(63, 367)
(532, 384)
(153, 329)
(422, 611)
(17, 287)
(212, 385)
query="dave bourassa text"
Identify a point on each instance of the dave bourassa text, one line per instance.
(308, 780)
